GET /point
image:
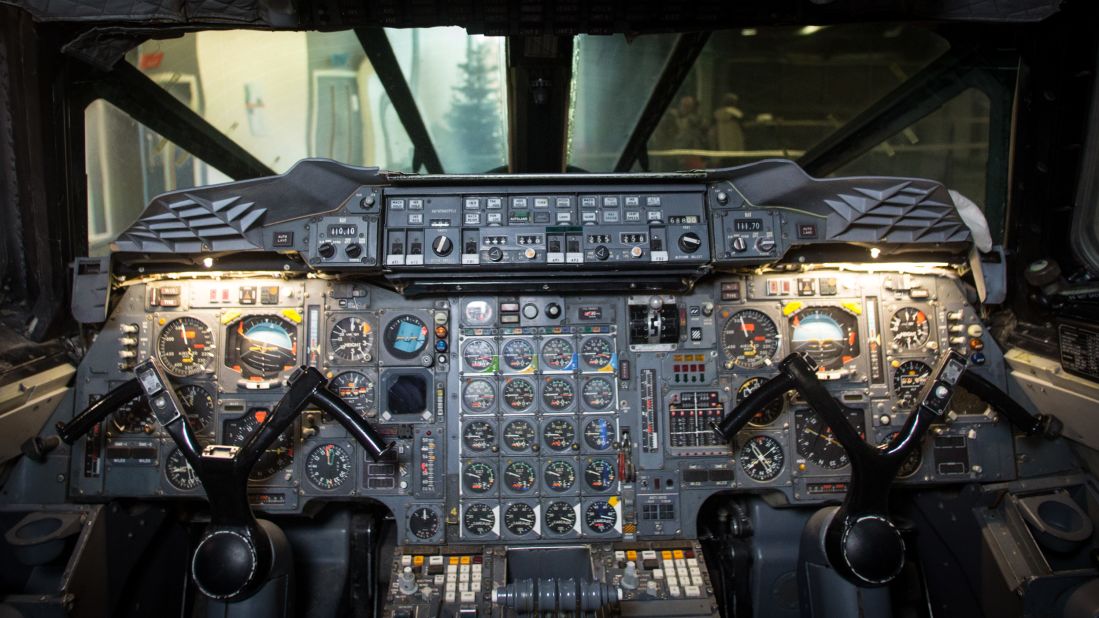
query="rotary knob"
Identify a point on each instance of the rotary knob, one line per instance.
(602, 253)
(442, 246)
(739, 244)
(354, 250)
(326, 250)
(495, 254)
(765, 245)
(689, 242)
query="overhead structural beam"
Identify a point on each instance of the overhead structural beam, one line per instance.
(130, 90)
(539, 83)
(687, 48)
(380, 53)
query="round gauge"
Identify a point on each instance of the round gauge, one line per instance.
(765, 415)
(423, 523)
(518, 394)
(559, 475)
(599, 474)
(352, 339)
(910, 328)
(261, 346)
(519, 518)
(816, 441)
(599, 434)
(908, 380)
(557, 354)
(911, 463)
(179, 472)
(198, 405)
(185, 346)
(478, 395)
(134, 416)
(479, 355)
(518, 354)
(762, 458)
(478, 313)
(557, 393)
(519, 435)
(478, 436)
(405, 336)
(520, 476)
(479, 477)
(598, 393)
(828, 334)
(560, 517)
(356, 389)
(749, 339)
(479, 519)
(559, 435)
(600, 517)
(596, 352)
(328, 466)
(278, 456)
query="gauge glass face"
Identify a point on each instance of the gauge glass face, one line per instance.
(134, 416)
(180, 473)
(599, 474)
(910, 327)
(423, 523)
(908, 380)
(598, 393)
(560, 518)
(518, 354)
(479, 355)
(600, 517)
(519, 435)
(479, 477)
(559, 435)
(557, 393)
(519, 518)
(520, 476)
(352, 339)
(262, 346)
(818, 444)
(911, 463)
(749, 339)
(829, 335)
(518, 394)
(478, 313)
(596, 352)
(599, 434)
(356, 389)
(278, 456)
(198, 405)
(479, 519)
(478, 436)
(479, 395)
(557, 354)
(762, 458)
(766, 415)
(560, 475)
(405, 336)
(185, 347)
(328, 466)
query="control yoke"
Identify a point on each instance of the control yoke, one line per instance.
(232, 559)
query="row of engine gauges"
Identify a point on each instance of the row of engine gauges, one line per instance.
(481, 436)
(558, 354)
(527, 476)
(486, 520)
(555, 394)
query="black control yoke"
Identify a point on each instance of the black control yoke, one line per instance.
(233, 556)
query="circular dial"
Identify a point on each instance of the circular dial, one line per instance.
(179, 472)
(558, 393)
(423, 523)
(762, 458)
(328, 466)
(352, 339)
(766, 415)
(560, 517)
(479, 395)
(599, 474)
(479, 477)
(557, 354)
(479, 519)
(479, 355)
(749, 339)
(275, 458)
(910, 328)
(829, 334)
(518, 394)
(405, 336)
(520, 476)
(478, 436)
(198, 405)
(908, 380)
(132, 417)
(478, 313)
(599, 434)
(185, 346)
(356, 389)
(519, 435)
(262, 346)
(560, 475)
(559, 435)
(816, 441)
(518, 354)
(598, 393)
(596, 352)
(519, 518)
(600, 517)
(911, 463)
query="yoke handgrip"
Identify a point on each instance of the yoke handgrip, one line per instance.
(92, 415)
